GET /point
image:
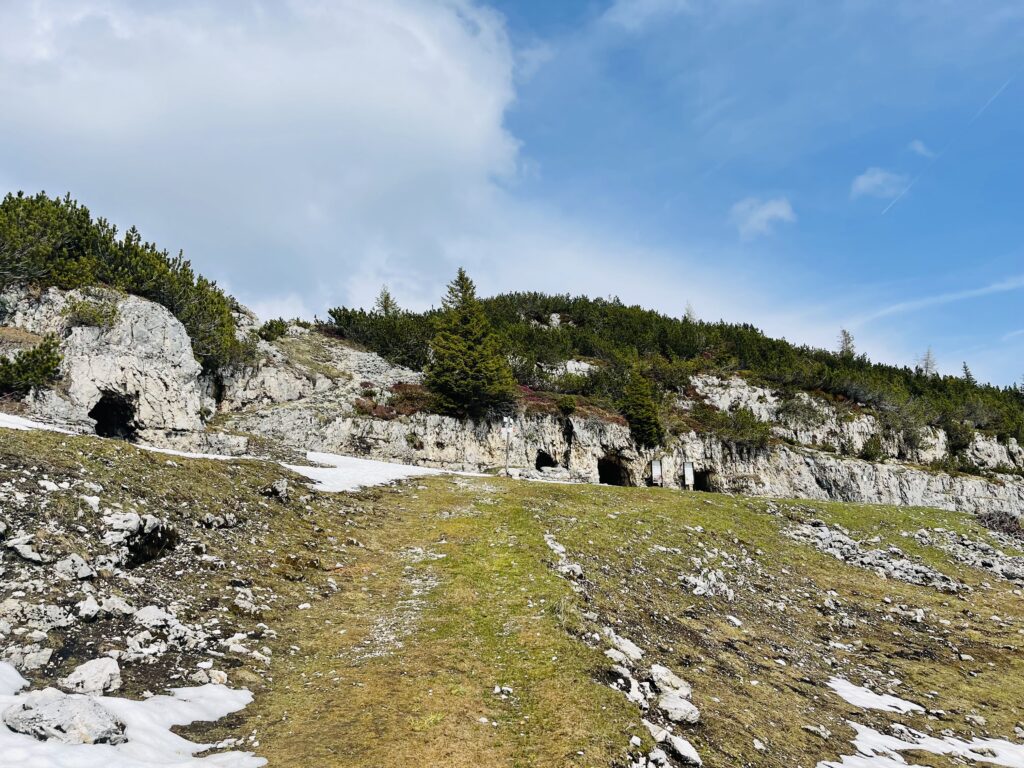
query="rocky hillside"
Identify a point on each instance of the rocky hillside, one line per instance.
(129, 370)
(271, 612)
(454, 620)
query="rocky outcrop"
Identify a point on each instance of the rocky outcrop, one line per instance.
(590, 450)
(791, 472)
(133, 372)
(303, 365)
(817, 423)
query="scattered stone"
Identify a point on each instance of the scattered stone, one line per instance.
(889, 563)
(626, 647)
(677, 708)
(819, 730)
(74, 567)
(98, 676)
(88, 608)
(116, 606)
(277, 490)
(23, 546)
(665, 680)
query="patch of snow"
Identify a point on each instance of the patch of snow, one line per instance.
(867, 699)
(336, 474)
(188, 455)
(347, 473)
(149, 743)
(10, 421)
(877, 750)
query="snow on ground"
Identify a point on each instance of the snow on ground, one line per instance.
(189, 455)
(335, 474)
(10, 421)
(867, 699)
(149, 743)
(346, 473)
(878, 750)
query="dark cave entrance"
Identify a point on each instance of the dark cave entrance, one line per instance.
(544, 459)
(115, 416)
(611, 472)
(702, 481)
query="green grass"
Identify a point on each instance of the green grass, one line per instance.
(396, 662)
(312, 351)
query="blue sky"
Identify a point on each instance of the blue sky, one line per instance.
(800, 166)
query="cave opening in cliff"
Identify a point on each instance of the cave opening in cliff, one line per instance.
(115, 416)
(544, 459)
(702, 481)
(611, 472)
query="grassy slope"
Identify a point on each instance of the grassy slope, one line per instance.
(395, 663)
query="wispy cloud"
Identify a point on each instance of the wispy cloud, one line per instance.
(634, 15)
(918, 147)
(754, 217)
(1013, 335)
(1014, 283)
(878, 182)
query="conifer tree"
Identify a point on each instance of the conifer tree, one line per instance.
(927, 364)
(467, 372)
(641, 410)
(846, 346)
(385, 305)
(968, 376)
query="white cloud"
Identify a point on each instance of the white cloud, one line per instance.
(282, 146)
(306, 154)
(754, 216)
(634, 15)
(918, 147)
(288, 306)
(878, 182)
(1012, 283)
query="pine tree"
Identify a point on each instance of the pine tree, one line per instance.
(846, 346)
(641, 410)
(927, 365)
(385, 305)
(691, 314)
(467, 372)
(968, 376)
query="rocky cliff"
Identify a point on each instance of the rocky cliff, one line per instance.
(135, 375)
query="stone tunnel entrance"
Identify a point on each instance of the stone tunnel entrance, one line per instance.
(702, 481)
(544, 459)
(611, 472)
(115, 416)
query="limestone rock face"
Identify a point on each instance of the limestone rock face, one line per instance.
(310, 392)
(305, 365)
(142, 362)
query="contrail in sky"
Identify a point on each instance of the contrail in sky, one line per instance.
(942, 151)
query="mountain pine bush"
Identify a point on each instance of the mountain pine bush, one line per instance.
(30, 368)
(56, 242)
(672, 349)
